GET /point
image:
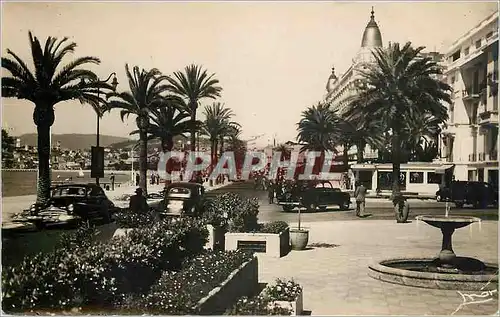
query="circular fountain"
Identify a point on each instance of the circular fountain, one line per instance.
(447, 271)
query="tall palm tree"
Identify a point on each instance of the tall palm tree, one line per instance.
(319, 130)
(217, 124)
(145, 95)
(51, 82)
(193, 85)
(167, 121)
(284, 150)
(400, 84)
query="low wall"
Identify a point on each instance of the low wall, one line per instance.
(243, 281)
(17, 244)
(276, 245)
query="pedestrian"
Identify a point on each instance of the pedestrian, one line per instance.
(138, 203)
(157, 179)
(112, 180)
(152, 180)
(137, 179)
(360, 194)
(270, 192)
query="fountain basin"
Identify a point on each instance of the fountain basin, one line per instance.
(452, 222)
(470, 274)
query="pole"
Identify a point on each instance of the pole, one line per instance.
(97, 132)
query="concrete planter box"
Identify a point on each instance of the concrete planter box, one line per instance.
(244, 281)
(275, 245)
(297, 306)
(216, 239)
(17, 244)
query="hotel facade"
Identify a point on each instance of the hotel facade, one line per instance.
(470, 140)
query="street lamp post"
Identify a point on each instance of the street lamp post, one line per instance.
(114, 83)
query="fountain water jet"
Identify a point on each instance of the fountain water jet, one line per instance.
(446, 271)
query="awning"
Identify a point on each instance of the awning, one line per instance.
(443, 168)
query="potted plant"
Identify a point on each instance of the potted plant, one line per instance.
(287, 295)
(299, 236)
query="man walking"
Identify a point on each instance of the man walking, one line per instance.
(270, 192)
(360, 194)
(112, 180)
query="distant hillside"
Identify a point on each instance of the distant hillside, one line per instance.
(75, 141)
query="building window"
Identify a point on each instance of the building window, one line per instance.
(455, 56)
(466, 51)
(489, 34)
(452, 80)
(433, 178)
(478, 43)
(416, 177)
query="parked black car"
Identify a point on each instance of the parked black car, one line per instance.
(183, 199)
(477, 194)
(321, 196)
(71, 204)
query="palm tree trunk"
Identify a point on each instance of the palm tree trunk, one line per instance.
(396, 164)
(143, 161)
(193, 128)
(43, 186)
(360, 149)
(167, 143)
(346, 155)
(221, 146)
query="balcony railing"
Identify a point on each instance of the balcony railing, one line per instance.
(493, 155)
(470, 93)
(481, 157)
(472, 157)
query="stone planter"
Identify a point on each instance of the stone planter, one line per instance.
(297, 305)
(17, 244)
(275, 245)
(299, 239)
(244, 281)
(216, 238)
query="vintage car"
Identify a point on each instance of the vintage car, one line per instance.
(71, 204)
(320, 196)
(477, 194)
(183, 199)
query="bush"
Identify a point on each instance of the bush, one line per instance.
(283, 290)
(179, 292)
(101, 274)
(128, 220)
(274, 227)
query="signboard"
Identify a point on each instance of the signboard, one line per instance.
(97, 162)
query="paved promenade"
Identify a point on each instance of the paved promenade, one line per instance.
(335, 279)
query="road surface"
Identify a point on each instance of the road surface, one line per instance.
(380, 209)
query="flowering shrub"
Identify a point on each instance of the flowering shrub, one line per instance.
(126, 219)
(283, 290)
(274, 227)
(101, 274)
(82, 237)
(231, 211)
(179, 292)
(259, 305)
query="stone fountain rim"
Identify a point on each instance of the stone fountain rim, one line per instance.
(381, 267)
(462, 219)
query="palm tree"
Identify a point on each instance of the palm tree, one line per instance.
(193, 85)
(145, 95)
(319, 129)
(217, 125)
(400, 84)
(167, 121)
(284, 150)
(49, 84)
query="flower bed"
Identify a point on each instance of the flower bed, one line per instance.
(100, 275)
(207, 286)
(282, 298)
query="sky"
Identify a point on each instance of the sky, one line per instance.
(272, 59)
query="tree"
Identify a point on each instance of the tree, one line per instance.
(400, 84)
(49, 84)
(319, 129)
(145, 95)
(217, 125)
(193, 85)
(8, 145)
